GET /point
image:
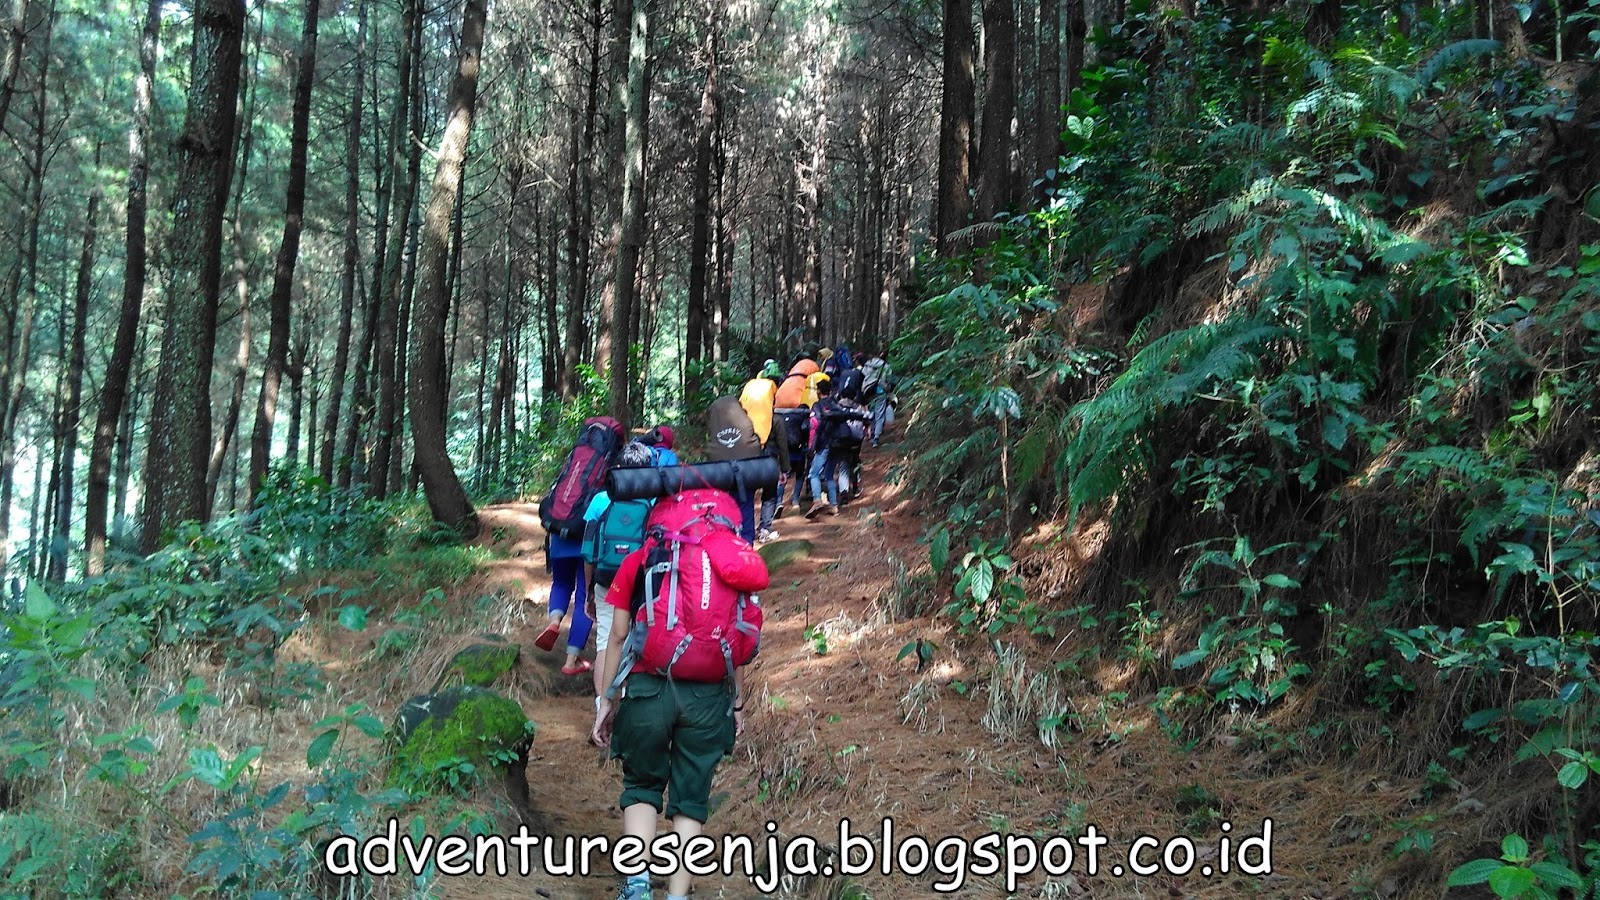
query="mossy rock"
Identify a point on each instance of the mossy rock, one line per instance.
(781, 553)
(452, 740)
(480, 665)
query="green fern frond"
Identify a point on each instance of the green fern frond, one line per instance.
(1233, 210)
(1450, 55)
(1109, 447)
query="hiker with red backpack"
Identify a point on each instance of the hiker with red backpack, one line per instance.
(561, 512)
(685, 619)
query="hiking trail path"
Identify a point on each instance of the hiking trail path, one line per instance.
(838, 727)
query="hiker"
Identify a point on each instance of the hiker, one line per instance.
(847, 440)
(828, 417)
(659, 439)
(757, 400)
(732, 438)
(561, 512)
(795, 423)
(830, 366)
(842, 354)
(611, 533)
(680, 710)
(564, 559)
(792, 389)
(878, 385)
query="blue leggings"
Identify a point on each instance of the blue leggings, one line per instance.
(566, 584)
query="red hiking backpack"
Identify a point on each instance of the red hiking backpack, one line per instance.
(582, 476)
(697, 618)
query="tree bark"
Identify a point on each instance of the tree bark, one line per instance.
(700, 229)
(352, 257)
(280, 304)
(954, 204)
(636, 134)
(1047, 96)
(19, 349)
(999, 105)
(180, 427)
(71, 413)
(114, 390)
(580, 215)
(16, 30)
(447, 499)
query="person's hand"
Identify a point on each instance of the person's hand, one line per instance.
(600, 735)
(588, 604)
(738, 724)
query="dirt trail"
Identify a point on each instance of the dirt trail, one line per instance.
(796, 696)
(840, 728)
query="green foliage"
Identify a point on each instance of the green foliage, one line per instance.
(1352, 338)
(465, 733)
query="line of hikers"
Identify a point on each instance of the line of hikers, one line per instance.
(672, 548)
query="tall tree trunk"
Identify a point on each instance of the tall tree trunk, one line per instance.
(1047, 96)
(1025, 97)
(396, 433)
(622, 15)
(180, 426)
(16, 30)
(999, 105)
(700, 230)
(389, 286)
(580, 215)
(114, 390)
(71, 413)
(1077, 35)
(636, 116)
(369, 361)
(19, 351)
(447, 499)
(280, 304)
(352, 256)
(956, 99)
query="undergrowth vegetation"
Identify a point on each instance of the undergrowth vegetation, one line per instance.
(1307, 354)
(151, 720)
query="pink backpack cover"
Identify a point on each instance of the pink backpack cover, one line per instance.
(700, 619)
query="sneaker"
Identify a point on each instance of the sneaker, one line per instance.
(766, 537)
(815, 510)
(828, 509)
(635, 888)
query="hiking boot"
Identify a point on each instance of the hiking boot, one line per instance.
(635, 888)
(815, 510)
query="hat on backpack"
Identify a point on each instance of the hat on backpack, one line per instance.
(662, 435)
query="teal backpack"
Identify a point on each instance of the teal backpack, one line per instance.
(618, 532)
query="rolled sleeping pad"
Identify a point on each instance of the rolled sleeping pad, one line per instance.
(757, 474)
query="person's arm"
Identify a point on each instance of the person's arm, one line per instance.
(621, 621)
(738, 709)
(619, 596)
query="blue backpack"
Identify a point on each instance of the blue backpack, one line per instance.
(618, 532)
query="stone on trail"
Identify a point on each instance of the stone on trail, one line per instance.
(480, 665)
(781, 553)
(453, 739)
